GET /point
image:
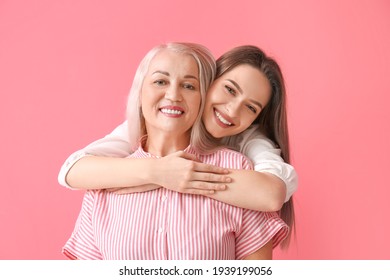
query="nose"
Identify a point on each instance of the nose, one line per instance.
(173, 93)
(232, 109)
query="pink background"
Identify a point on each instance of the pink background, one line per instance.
(66, 68)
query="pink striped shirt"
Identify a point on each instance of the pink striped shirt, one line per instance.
(163, 224)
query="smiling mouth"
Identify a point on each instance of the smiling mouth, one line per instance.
(222, 120)
(172, 111)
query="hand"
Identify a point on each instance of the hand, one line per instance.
(127, 190)
(184, 173)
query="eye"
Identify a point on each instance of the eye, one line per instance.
(160, 82)
(253, 109)
(189, 86)
(230, 90)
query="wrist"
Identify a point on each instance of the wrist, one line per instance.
(150, 170)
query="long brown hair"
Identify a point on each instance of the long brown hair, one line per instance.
(272, 120)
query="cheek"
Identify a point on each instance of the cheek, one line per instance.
(221, 97)
(216, 95)
(197, 100)
(145, 103)
(246, 119)
(195, 103)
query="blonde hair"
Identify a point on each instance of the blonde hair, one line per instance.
(207, 70)
(272, 120)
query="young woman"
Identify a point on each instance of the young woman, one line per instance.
(166, 101)
(245, 109)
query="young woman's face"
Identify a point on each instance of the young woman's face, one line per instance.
(235, 100)
(170, 95)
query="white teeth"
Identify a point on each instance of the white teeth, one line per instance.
(222, 119)
(172, 112)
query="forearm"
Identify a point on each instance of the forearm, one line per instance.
(253, 190)
(94, 172)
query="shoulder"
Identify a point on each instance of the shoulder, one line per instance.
(251, 137)
(254, 135)
(121, 131)
(254, 142)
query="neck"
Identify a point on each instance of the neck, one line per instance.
(162, 143)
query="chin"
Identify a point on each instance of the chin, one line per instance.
(217, 135)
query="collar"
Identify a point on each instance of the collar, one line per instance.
(146, 154)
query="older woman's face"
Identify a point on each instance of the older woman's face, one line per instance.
(235, 100)
(171, 94)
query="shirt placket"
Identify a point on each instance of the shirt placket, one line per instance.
(162, 224)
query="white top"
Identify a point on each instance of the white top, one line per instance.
(262, 152)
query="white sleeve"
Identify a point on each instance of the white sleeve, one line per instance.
(266, 158)
(115, 144)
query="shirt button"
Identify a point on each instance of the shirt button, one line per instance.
(160, 230)
(163, 198)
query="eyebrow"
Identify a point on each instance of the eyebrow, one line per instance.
(167, 74)
(241, 91)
